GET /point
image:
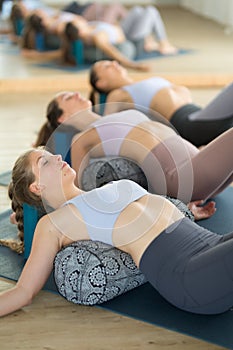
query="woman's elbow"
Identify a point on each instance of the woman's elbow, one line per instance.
(28, 300)
(26, 296)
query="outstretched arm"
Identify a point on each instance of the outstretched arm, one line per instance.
(36, 271)
(47, 55)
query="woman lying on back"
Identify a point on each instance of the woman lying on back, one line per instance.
(172, 165)
(174, 102)
(187, 264)
(68, 27)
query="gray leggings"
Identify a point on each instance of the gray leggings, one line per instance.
(220, 108)
(143, 21)
(177, 168)
(191, 267)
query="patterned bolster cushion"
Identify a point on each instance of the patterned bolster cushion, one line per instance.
(91, 272)
(102, 171)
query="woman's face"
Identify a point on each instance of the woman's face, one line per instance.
(50, 171)
(71, 103)
(108, 73)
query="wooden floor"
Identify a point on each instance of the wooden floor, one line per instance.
(51, 322)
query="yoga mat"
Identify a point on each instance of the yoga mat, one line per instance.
(10, 48)
(144, 303)
(157, 54)
(66, 68)
(11, 263)
(142, 56)
(7, 46)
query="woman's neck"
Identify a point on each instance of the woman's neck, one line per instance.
(58, 199)
(122, 81)
(81, 120)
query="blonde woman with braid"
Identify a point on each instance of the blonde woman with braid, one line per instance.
(187, 264)
(172, 166)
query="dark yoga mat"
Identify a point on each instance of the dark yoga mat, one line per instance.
(144, 303)
(11, 263)
(157, 54)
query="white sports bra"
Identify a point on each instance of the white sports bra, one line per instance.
(101, 207)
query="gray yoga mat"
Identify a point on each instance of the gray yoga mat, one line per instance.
(144, 303)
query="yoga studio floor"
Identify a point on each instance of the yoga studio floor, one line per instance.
(51, 322)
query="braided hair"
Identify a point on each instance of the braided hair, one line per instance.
(19, 193)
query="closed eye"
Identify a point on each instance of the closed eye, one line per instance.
(42, 161)
(68, 97)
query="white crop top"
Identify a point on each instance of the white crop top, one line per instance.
(113, 128)
(101, 207)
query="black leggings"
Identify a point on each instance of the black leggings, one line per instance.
(202, 125)
(199, 131)
(191, 267)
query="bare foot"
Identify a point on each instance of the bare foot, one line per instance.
(165, 48)
(150, 44)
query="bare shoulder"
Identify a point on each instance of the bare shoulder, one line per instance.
(100, 38)
(51, 220)
(117, 100)
(66, 223)
(118, 95)
(90, 131)
(48, 222)
(44, 221)
(59, 220)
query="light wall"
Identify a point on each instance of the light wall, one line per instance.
(220, 11)
(126, 2)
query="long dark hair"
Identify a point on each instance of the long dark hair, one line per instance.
(16, 12)
(52, 115)
(93, 78)
(71, 34)
(33, 26)
(16, 15)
